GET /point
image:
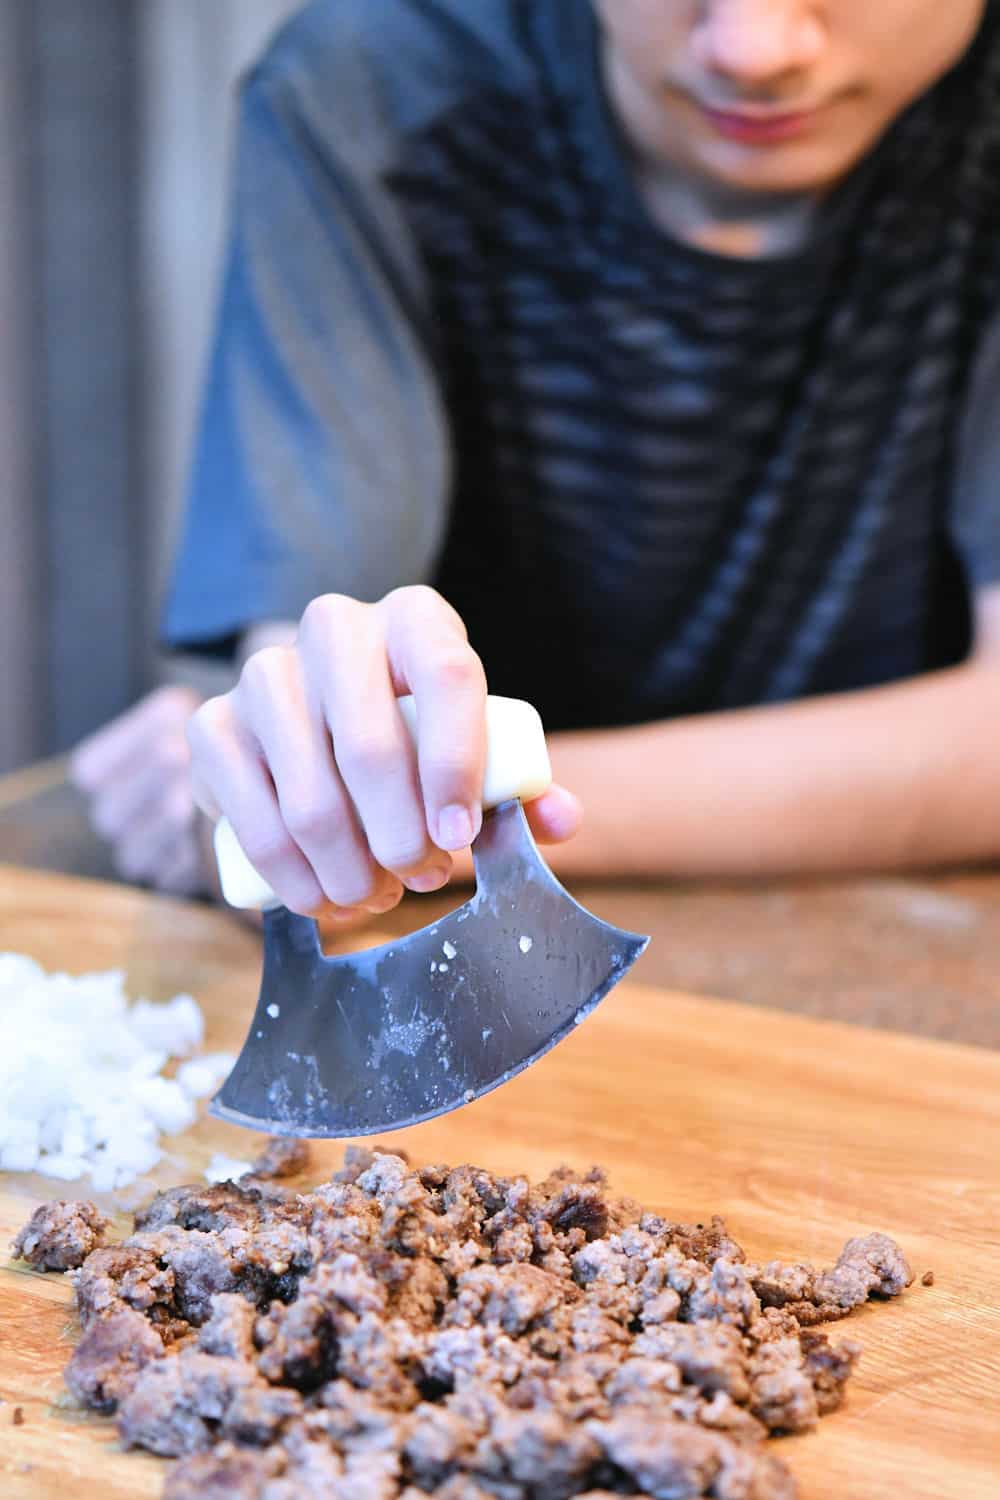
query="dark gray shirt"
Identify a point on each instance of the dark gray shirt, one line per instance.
(453, 347)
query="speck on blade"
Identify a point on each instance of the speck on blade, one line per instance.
(274, 1011)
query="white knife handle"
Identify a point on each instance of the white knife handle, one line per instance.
(517, 765)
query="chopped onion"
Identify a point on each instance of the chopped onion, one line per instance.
(226, 1168)
(202, 1075)
(81, 1087)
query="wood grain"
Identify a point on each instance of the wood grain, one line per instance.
(800, 1132)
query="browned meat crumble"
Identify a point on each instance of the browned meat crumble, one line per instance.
(402, 1332)
(283, 1156)
(59, 1236)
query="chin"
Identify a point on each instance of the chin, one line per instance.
(796, 167)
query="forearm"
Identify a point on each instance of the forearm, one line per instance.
(893, 777)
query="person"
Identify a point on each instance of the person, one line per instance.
(640, 358)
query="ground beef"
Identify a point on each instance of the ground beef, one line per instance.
(180, 1403)
(283, 1156)
(202, 1264)
(59, 1236)
(781, 1391)
(110, 1355)
(226, 1472)
(123, 1275)
(398, 1333)
(828, 1367)
(229, 1327)
(709, 1355)
(270, 1262)
(220, 1206)
(673, 1458)
(870, 1266)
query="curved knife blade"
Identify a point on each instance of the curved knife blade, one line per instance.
(393, 1035)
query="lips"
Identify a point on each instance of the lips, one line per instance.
(758, 128)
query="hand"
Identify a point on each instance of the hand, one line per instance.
(310, 760)
(135, 774)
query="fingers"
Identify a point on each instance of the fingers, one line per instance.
(555, 816)
(232, 771)
(313, 802)
(152, 853)
(129, 740)
(135, 775)
(182, 872)
(312, 761)
(343, 651)
(145, 792)
(428, 650)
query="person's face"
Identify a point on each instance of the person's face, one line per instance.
(774, 96)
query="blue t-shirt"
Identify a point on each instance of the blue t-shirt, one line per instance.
(454, 348)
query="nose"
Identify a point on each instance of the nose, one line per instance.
(758, 42)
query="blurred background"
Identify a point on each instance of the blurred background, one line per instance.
(115, 121)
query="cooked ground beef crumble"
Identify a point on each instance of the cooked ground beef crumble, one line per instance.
(59, 1236)
(400, 1332)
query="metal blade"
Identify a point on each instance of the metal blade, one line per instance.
(393, 1035)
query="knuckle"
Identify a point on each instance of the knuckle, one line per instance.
(459, 667)
(265, 670)
(268, 848)
(174, 702)
(401, 852)
(311, 817)
(422, 603)
(366, 753)
(326, 613)
(416, 596)
(210, 721)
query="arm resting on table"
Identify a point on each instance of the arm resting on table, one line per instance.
(905, 775)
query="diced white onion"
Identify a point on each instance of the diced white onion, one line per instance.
(226, 1168)
(81, 1088)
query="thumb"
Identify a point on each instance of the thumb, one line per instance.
(555, 816)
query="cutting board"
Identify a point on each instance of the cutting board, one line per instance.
(799, 1132)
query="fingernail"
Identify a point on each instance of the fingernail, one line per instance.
(381, 904)
(428, 880)
(332, 913)
(456, 827)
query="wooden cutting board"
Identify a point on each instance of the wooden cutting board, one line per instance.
(800, 1132)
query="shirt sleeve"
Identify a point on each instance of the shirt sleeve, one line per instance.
(976, 500)
(322, 458)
